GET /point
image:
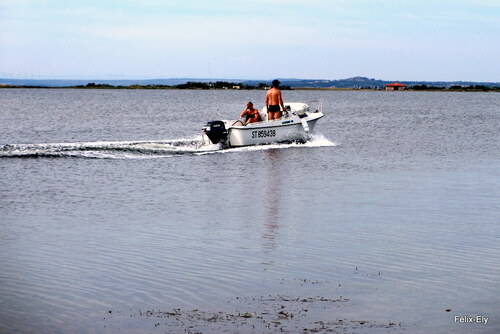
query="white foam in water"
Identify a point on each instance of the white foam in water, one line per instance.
(105, 149)
(141, 149)
(316, 140)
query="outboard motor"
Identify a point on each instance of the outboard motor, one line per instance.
(216, 131)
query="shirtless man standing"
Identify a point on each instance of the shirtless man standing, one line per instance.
(274, 101)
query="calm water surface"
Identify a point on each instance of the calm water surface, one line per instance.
(110, 203)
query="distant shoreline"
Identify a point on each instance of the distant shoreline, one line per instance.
(165, 87)
(354, 83)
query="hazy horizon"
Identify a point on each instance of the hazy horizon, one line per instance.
(327, 40)
(235, 80)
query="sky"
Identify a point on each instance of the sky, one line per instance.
(421, 40)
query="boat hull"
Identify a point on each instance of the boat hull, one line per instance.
(277, 131)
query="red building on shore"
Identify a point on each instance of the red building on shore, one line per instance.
(396, 86)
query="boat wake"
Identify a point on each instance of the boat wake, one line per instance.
(138, 149)
(314, 140)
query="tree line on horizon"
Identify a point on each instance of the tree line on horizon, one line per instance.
(467, 88)
(263, 85)
(187, 85)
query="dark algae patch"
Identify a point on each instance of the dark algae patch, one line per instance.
(265, 314)
(299, 310)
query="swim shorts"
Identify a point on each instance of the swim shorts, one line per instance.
(274, 108)
(250, 116)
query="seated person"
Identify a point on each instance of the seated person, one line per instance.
(251, 114)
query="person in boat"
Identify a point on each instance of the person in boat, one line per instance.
(251, 114)
(274, 101)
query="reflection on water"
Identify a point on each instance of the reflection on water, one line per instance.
(274, 196)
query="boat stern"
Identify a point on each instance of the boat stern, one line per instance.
(215, 131)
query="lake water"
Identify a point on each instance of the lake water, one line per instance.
(114, 217)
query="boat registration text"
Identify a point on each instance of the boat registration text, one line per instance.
(263, 133)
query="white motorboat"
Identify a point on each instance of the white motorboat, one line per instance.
(296, 124)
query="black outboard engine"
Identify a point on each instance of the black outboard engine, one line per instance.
(216, 131)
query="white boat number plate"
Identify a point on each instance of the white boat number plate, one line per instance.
(263, 133)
